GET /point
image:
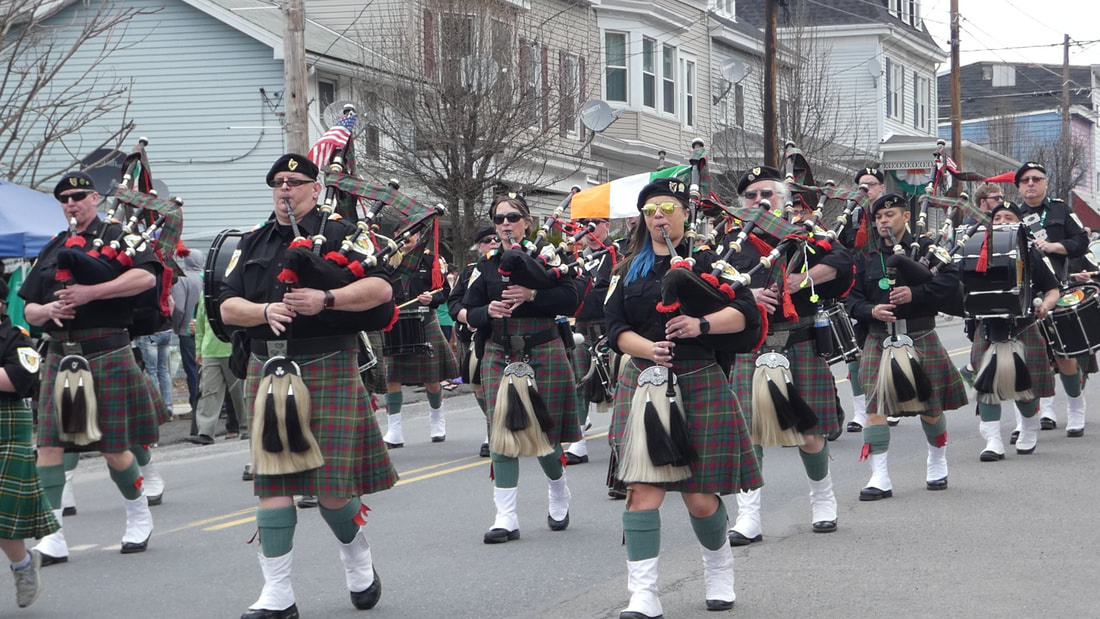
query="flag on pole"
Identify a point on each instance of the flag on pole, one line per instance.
(334, 138)
(619, 198)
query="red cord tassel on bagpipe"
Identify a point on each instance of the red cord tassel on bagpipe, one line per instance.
(983, 254)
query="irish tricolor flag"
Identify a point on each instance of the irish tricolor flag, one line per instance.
(619, 198)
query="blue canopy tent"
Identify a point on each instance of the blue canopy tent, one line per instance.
(28, 219)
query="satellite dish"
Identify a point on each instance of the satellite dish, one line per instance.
(596, 115)
(733, 71)
(335, 111)
(873, 67)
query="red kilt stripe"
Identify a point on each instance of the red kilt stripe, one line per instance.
(811, 377)
(1035, 356)
(553, 373)
(719, 433)
(417, 369)
(127, 402)
(356, 459)
(948, 391)
(24, 510)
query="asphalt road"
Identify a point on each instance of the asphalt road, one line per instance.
(1011, 538)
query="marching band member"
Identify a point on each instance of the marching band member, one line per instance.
(1065, 239)
(412, 279)
(791, 314)
(911, 310)
(725, 460)
(317, 330)
(521, 333)
(874, 179)
(90, 322)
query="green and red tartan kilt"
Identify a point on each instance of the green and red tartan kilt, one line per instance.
(162, 410)
(812, 379)
(421, 367)
(553, 374)
(719, 433)
(24, 510)
(356, 459)
(1035, 356)
(948, 391)
(127, 402)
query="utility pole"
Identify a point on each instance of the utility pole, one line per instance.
(956, 88)
(771, 46)
(1067, 140)
(294, 73)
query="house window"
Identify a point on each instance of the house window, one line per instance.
(739, 105)
(914, 13)
(920, 102)
(725, 8)
(571, 93)
(531, 78)
(689, 93)
(895, 89)
(895, 7)
(1004, 75)
(649, 72)
(615, 63)
(326, 94)
(668, 78)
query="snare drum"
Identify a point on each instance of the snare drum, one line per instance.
(220, 262)
(1073, 327)
(845, 346)
(1004, 288)
(407, 337)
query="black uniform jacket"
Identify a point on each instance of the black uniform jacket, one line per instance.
(928, 298)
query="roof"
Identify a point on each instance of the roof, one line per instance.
(1038, 87)
(834, 13)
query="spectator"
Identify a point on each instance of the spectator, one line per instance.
(186, 293)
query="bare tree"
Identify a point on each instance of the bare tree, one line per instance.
(1067, 164)
(1002, 129)
(473, 97)
(54, 86)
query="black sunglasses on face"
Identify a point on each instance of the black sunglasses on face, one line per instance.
(489, 239)
(512, 217)
(293, 182)
(75, 196)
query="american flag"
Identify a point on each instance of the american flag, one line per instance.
(334, 138)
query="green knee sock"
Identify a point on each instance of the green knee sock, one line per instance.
(276, 530)
(342, 521)
(505, 470)
(393, 402)
(816, 465)
(141, 454)
(989, 412)
(710, 531)
(70, 460)
(53, 483)
(1028, 409)
(853, 378)
(435, 400)
(127, 480)
(642, 532)
(878, 437)
(935, 433)
(1072, 383)
(551, 463)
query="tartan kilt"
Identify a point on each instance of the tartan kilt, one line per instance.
(1035, 356)
(341, 419)
(128, 403)
(553, 374)
(812, 378)
(24, 510)
(948, 391)
(376, 376)
(727, 462)
(417, 369)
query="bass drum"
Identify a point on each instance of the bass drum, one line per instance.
(220, 260)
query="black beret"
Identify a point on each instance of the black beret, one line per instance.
(1030, 165)
(1007, 206)
(762, 173)
(875, 172)
(73, 180)
(663, 187)
(291, 162)
(483, 232)
(890, 200)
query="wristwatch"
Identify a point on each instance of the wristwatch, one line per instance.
(704, 325)
(330, 300)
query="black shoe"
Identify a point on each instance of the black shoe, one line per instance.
(367, 598)
(244, 435)
(484, 453)
(893, 421)
(262, 613)
(51, 560)
(248, 474)
(69, 511)
(616, 493)
(824, 526)
(307, 501)
(630, 614)
(832, 436)
(737, 539)
(129, 548)
(572, 458)
(854, 426)
(394, 445)
(154, 500)
(1026, 452)
(558, 525)
(1075, 432)
(437, 439)
(201, 439)
(1047, 424)
(1012, 438)
(990, 456)
(870, 493)
(937, 484)
(499, 536)
(719, 605)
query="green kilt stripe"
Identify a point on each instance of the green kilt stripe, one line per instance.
(417, 369)
(128, 405)
(24, 511)
(948, 391)
(719, 433)
(556, 383)
(356, 459)
(1035, 356)
(812, 379)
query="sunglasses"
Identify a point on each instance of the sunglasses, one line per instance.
(75, 196)
(512, 217)
(995, 198)
(763, 193)
(585, 222)
(293, 182)
(667, 208)
(1027, 180)
(489, 240)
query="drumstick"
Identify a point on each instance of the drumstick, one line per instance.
(411, 301)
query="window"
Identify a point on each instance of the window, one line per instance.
(326, 94)
(615, 63)
(571, 92)
(895, 7)
(895, 89)
(920, 102)
(739, 105)
(1004, 75)
(530, 78)
(668, 79)
(725, 8)
(649, 72)
(689, 93)
(914, 13)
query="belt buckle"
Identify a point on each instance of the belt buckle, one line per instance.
(71, 348)
(276, 348)
(777, 340)
(517, 343)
